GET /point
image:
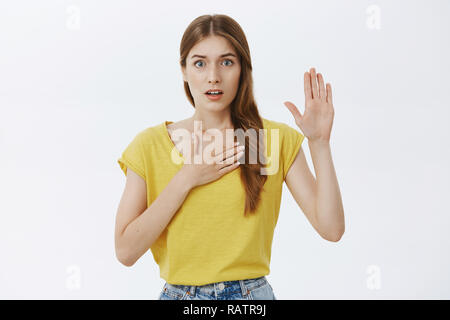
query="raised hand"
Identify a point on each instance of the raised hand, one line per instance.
(317, 120)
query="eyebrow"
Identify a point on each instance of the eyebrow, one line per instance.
(223, 55)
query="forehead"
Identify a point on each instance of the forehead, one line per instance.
(212, 46)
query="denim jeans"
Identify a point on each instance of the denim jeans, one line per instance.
(248, 289)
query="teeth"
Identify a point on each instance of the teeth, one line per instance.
(214, 92)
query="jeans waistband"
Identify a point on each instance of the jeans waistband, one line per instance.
(217, 285)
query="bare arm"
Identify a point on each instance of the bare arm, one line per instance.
(330, 211)
(320, 197)
(138, 227)
(132, 239)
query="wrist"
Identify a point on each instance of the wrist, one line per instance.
(318, 143)
(185, 179)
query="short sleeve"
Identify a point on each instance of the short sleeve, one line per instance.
(133, 157)
(292, 141)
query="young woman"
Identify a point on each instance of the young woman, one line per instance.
(210, 224)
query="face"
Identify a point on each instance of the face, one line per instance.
(206, 69)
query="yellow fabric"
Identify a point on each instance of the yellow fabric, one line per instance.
(209, 239)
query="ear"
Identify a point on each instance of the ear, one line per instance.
(183, 71)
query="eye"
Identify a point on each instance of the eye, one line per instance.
(230, 61)
(195, 63)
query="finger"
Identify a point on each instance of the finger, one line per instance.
(232, 159)
(221, 158)
(329, 94)
(322, 93)
(229, 168)
(315, 90)
(224, 149)
(307, 85)
(293, 109)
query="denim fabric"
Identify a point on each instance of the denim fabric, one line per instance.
(248, 289)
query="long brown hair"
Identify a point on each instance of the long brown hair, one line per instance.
(243, 109)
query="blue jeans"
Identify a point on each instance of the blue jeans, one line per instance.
(248, 289)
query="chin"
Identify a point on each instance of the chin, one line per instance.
(217, 107)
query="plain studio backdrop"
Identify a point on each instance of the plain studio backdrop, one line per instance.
(79, 79)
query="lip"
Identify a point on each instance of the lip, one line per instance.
(214, 98)
(215, 89)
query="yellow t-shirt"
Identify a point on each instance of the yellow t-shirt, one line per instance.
(209, 239)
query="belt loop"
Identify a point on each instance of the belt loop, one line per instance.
(192, 290)
(243, 288)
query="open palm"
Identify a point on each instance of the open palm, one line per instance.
(317, 120)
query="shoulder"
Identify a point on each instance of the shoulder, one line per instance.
(176, 125)
(149, 134)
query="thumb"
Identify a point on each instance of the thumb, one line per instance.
(293, 109)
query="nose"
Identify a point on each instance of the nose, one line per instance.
(213, 75)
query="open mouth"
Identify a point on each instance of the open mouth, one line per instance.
(214, 92)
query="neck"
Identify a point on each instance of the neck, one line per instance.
(212, 120)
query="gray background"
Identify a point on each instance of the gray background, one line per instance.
(79, 79)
